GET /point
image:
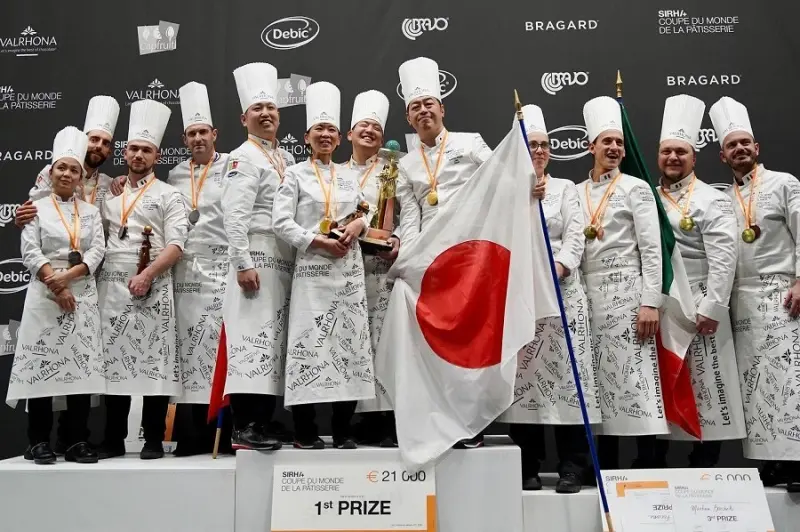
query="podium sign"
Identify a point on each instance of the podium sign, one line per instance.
(373, 497)
(687, 500)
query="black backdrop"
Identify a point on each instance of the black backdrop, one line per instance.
(55, 55)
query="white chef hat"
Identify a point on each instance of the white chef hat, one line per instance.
(683, 115)
(602, 114)
(101, 115)
(70, 142)
(256, 83)
(728, 116)
(370, 105)
(534, 119)
(419, 78)
(323, 102)
(195, 108)
(148, 121)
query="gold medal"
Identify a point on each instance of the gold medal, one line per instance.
(595, 227)
(590, 232)
(687, 223)
(433, 198)
(749, 235)
(325, 226)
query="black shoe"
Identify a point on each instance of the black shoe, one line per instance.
(60, 448)
(569, 483)
(187, 448)
(388, 442)
(310, 444)
(81, 453)
(279, 430)
(152, 450)
(110, 450)
(345, 443)
(772, 474)
(471, 443)
(533, 483)
(255, 438)
(43, 454)
(28, 455)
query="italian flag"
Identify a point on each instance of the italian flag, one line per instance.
(677, 326)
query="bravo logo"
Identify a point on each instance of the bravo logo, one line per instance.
(552, 82)
(290, 32)
(568, 143)
(447, 84)
(415, 27)
(14, 276)
(705, 137)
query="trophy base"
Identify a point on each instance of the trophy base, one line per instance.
(376, 240)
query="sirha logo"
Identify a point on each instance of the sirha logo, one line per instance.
(290, 32)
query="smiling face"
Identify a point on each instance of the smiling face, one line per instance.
(676, 159)
(65, 174)
(608, 150)
(323, 138)
(425, 115)
(141, 157)
(262, 120)
(99, 148)
(366, 134)
(539, 146)
(740, 152)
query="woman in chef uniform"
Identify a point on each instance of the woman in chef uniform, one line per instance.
(59, 348)
(329, 358)
(536, 406)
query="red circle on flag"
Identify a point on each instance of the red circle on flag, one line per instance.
(462, 302)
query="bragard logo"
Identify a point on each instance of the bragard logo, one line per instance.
(552, 82)
(290, 32)
(14, 276)
(415, 27)
(29, 44)
(25, 155)
(703, 80)
(161, 38)
(568, 143)
(561, 25)
(447, 84)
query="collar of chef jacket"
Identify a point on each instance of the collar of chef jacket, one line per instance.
(269, 145)
(439, 139)
(369, 161)
(679, 185)
(604, 178)
(749, 176)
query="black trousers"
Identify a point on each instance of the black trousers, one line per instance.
(571, 444)
(376, 426)
(252, 408)
(704, 454)
(305, 426)
(154, 418)
(75, 424)
(646, 455)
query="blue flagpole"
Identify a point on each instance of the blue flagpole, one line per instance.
(586, 425)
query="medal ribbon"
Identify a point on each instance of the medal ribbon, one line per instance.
(433, 177)
(749, 217)
(196, 189)
(91, 199)
(126, 211)
(688, 195)
(366, 174)
(279, 166)
(325, 192)
(596, 217)
(75, 232)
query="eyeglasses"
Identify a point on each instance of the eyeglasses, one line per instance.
(545, 146)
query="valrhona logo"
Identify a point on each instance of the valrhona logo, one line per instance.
(29, 43)
(290, 32)
(14, 276)
(296, 147)
(155, 90)
(415, 27)
(160, 38)
(447, 84)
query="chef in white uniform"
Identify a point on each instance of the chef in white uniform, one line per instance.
(101, 121)
(430, 174)
(138, 309)
(256, 308)
(330, 352)
(704, 225)
(765, 301)
(59, 349)
(545, 390)
(370, 110)
(200, 274)
(622, 269)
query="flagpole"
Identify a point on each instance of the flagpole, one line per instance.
(586, 424)
(218, 435)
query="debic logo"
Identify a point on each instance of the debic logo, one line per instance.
(568, 143)
(14, 276)
(290, 32)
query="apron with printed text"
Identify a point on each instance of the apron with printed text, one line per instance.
(378, 291)
(139, 335)
(768, 353)
(627, 370)
(58, 353)
(256, 322)
(199, 293)
(330, 350)
(545, 390)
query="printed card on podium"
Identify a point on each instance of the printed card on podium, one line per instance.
(687, 500)
(373, 497)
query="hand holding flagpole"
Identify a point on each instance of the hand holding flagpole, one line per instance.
(586, 424)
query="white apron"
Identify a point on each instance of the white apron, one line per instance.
(138, 333)
(545, 390)
(715, 382)
(58, 353)
(768, 352)
(330, 350)
(627, 371)
(199, 293)
(378, 291)
(256, 325)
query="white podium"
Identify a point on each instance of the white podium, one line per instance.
(194, 494)
(477, 490)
